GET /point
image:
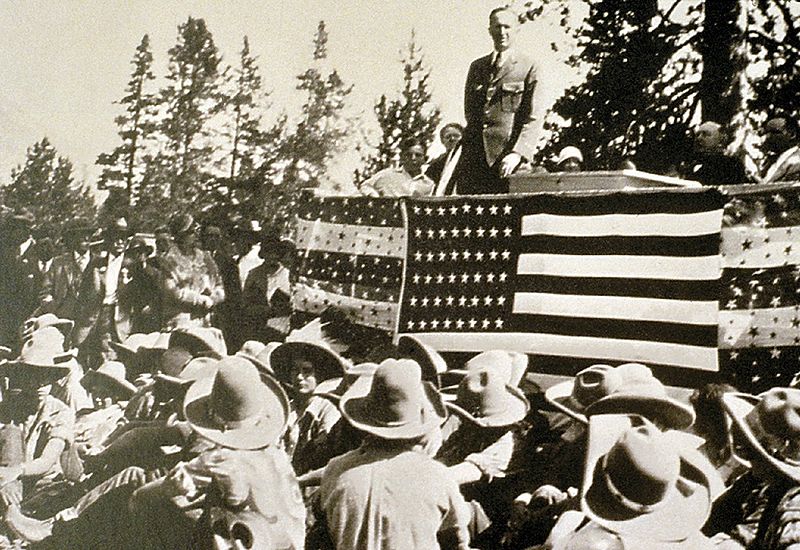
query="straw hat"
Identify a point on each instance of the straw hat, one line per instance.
(327, 363)
(398, 404)
(110, 374)
(485, 398)
(642, 393)
(235, 408)
(638, 481)
(767, 428)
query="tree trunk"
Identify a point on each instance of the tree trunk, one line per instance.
(719, 90)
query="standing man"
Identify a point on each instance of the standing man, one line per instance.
(712, 165)
(18, 291)
(440, 169)
(62, 281)
(498, 105)
(404, 180)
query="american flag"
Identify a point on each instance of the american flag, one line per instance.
(759, 333)
(350, 256)
(572, 279)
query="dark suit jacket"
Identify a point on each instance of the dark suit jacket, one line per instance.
(90, 304)
(62, 283)
(435, 167)
(499, 109)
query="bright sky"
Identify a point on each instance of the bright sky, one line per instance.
(65, 62)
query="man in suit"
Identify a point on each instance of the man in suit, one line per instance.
(440, 169)
(499, 109)
(18, 275)
(59, 294)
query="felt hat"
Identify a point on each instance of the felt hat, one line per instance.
(429, 360)
(118, 228)
(767, 428)
(40, 359)
(257, 353)
(133, 342)
(327, 363)
(335, 388)
(397, 405)
(199, 341)
(485, 398)
(640, 481)
(111, 374)
(236, 408)
(171, 363)
(573, 396)
(643, 394)
(47, 320)
(139, 243)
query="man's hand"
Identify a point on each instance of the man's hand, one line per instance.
(509, 164)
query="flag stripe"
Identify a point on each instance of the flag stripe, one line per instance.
(682, 202)
(754, 247)
(609, 286)
(617, 307)
(699, 245)
(352, 268)
(697, 357)
(772, 327)
(352, 239)
(632, 225)
(616, 329)
(639, 267)
(373, 313)
(374, 294)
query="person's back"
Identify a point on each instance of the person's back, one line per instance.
(388, 497)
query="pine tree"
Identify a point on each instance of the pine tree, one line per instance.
(45, 185)
(410, 117)
(136, 126)
(191, 98)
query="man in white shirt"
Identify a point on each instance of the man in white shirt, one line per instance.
(404, 180)
(781, 144)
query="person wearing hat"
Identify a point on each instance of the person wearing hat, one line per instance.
(387, 494)
(303, 367)
(99, 319)
(110, 392)
(19, 294)
(189, 280)
(759, 509)
(570, 159)
(242, 414)
(266, 304)
(44, 424)
(140, 297)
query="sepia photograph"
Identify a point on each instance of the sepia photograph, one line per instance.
(383, 275)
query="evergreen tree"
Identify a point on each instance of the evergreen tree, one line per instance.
(411, 116)
(45, 185)
(136, 126)
(191, 98)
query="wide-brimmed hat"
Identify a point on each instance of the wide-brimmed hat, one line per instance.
(327, 363)
(334, 389)
(257, 353)
(171, 362)
(40, 359)
(767, 427)
(134, 342)
(397, 405)
(484, 397)
(194, 369)
(47, 320)
(199, 341)
(639, 480)
(571, 397)
(118, 228)
(237, 408)
(643, 394)
(111, 374)
(429, 360)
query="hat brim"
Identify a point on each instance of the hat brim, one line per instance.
(260, 365)
(95, 378)
(560, 396)
(327, 364)
(123, 349)
(681, 513)
(262, 431)
(668, 412)
(18, 369)
(516, 408)
(192, 343)
(738, 406)
(359, 411)
(430, 361)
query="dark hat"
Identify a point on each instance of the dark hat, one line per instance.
(327, 363)
(199, 341)
(110, 374)
(180, 223)
(398, 405)
(119, 227)
(237, 408)
(429, 360)
(139, 243)
(592, 383)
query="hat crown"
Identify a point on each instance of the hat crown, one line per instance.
(114, 369)
(594, 383)
(641, 467)
(483, 392)
(397, 391)
(235, 395)
(499, 361)
(779, 412)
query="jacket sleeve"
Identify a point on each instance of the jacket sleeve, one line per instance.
(526, 117)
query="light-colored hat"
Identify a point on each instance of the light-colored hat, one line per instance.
(39, 359)
(131, 344)
(429, 360)
(199, 341)
(767, 427)
(110, 374)
(639, 481)
(643, 394)
(47, 320)
(398, 404)
(237, 407)
(485, 397)
(569, 152)
(257, 353)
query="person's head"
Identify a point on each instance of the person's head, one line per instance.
(710, 137)
(115, 236)
(16, 228)
(211, 238)
(138, 250)
(412, 157)
(451, 135)
(44, 249)
(275, 250)
(503, 25)
(163, 240)
(183, 229)
(780, 134)
(570, 159)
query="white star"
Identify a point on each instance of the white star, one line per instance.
(498, 323)
(490, 277)
(413, 301)
(485, 323)
(454, 255)
(502, 277)
(442, 233)
(465, 277)
(466, 254)
(479, 210)
(507, 209)
(422, 325)
(467, 231)
(446, 323)
(477, 277)
(442, 256)
(493, 210)
(775, 353)
(493, 254)
(462, 301)
(441, 211)
(416, 278)
(775, 302)
(474, 301)
(429, 256)
(418, 256)
(434, 324)
(451, 278)
(416, 210)
(480, 231)
(454, 210)
(428, 279)
(734, 355)
(731, 304)
(437, 301)
(410, 325)
(439, 278)
(479, 256)
(493, 232)
(449, 300)
(431, 233)
(472, 323)
(454, 232)
(459, 323)
(505, 254)
(428, 210)
(507, 232)
(488, 300)
(466, 207)
(425, 301)
(501, 300)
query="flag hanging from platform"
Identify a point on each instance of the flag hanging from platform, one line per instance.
(759, 337)
(573, 279)
(350, 254)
